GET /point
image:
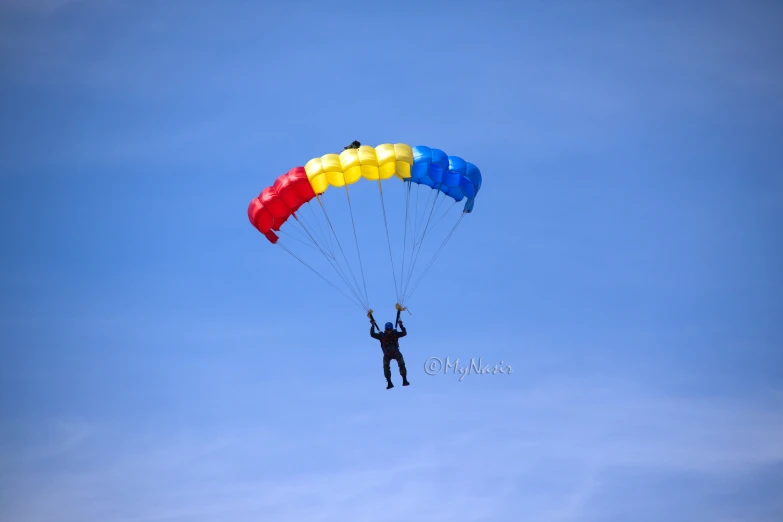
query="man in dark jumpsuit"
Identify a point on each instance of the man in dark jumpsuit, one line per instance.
(391, 350)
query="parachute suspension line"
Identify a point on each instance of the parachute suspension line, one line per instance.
(304, 228)
(419, 219)
(352, 300)
(412, 222)
(356, 240)
(435, 224)
(416, 212)
(300, 234)
(310, 231)
(435, 212)
(429, 218)
(415, 225)
(300, 227)
(416, 219)
(337, 267)
(437, 253)
(340, 246)
(420, 242)
(322, 235)
(405, 234)
(388, 241)
(291, 236)
(434, 194)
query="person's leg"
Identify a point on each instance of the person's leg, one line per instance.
(403, 370)
(387, 371)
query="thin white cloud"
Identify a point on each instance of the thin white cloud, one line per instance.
(63, 437)
(545, 451)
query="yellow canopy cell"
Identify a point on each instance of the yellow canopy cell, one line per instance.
(373, 163)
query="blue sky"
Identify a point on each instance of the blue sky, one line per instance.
(162, 362)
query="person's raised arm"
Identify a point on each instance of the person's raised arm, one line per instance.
(403, 331)
(372, 332)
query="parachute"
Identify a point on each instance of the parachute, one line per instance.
(293, 211)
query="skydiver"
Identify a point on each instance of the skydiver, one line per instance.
(354, 145)
(391, 350)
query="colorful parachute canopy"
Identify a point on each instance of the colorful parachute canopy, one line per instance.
(381, 162)
(277, 203)
(451, 175)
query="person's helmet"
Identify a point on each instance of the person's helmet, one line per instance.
(389, 326)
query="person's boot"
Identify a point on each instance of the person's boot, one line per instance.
(405, 381)
(389, 384)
